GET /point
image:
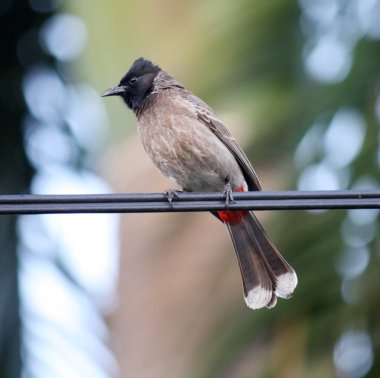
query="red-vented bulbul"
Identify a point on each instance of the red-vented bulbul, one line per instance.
(191, 146)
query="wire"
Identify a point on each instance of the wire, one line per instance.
(185, 202)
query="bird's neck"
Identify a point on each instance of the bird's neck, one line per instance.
(163, 81)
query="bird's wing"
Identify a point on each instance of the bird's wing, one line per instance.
(208, 118)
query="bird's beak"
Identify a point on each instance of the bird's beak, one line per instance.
(114, 91)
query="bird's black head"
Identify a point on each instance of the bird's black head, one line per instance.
(136, 84)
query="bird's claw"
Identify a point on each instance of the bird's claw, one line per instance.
(170, 194)
(227, 194)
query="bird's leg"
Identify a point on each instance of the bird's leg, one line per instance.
(227, 194)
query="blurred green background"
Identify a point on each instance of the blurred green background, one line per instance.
(300, 80)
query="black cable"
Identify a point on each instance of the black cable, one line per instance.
(158, 202)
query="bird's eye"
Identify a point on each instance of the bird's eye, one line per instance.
(132, 80)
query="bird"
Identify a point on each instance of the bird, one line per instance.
(190, 145)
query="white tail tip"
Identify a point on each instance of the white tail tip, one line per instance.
(258, 297)
(286, 283)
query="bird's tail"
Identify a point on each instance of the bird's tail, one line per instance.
(265, 273)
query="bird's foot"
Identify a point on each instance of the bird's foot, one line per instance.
(170, 194)
(227, 194)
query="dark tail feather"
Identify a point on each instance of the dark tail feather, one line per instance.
(265, 273)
